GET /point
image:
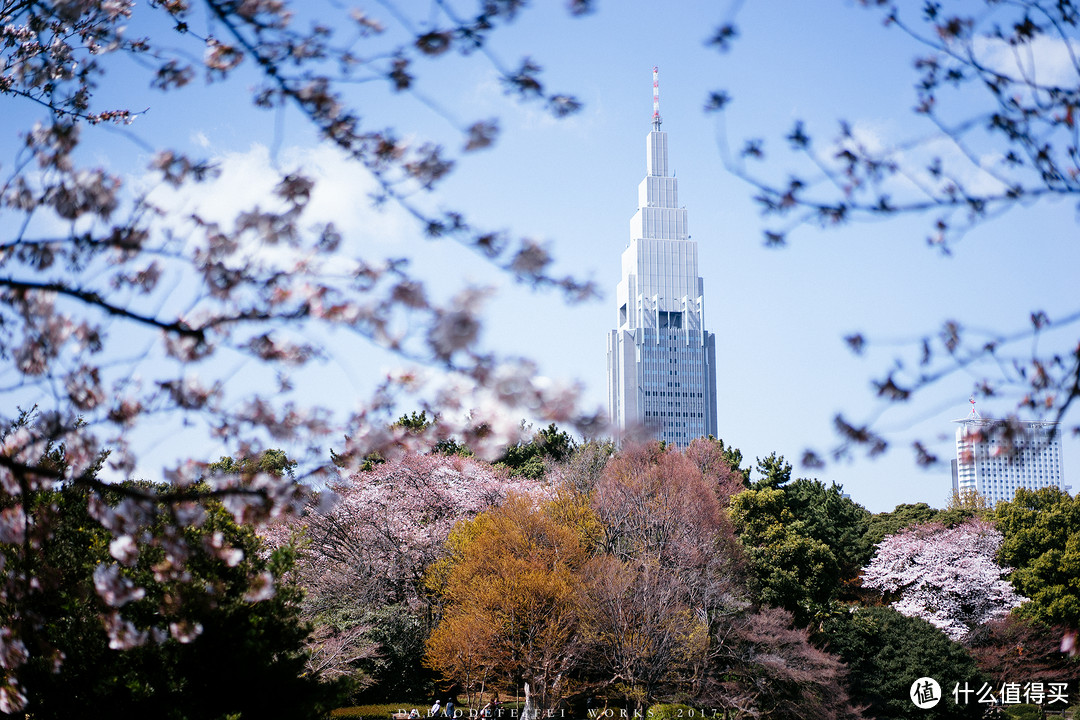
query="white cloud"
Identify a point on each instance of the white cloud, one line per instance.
(914, 156)
(342, 193)
(1045, 61)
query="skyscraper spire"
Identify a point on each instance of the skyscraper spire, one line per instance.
(656, 97)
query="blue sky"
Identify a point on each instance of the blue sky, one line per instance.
(779, 315)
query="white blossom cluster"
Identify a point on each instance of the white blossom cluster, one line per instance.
(947, 576)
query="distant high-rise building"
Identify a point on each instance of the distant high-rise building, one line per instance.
(995, 463)
(661, 359)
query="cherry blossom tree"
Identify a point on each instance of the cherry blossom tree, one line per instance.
(118, 314)
(947, 576)
(374, 549)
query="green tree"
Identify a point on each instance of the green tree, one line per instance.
(904, 515)
(787, 568)
(233, 647)
(414, 421)
(272, 461)
(1042, 545)
(418, 423)
(396, 668)
(549, 444)
(963, 506)
(734, 458)
(803, 538)
(968, 499)
(886, 652)
(774, 472)
(827, 515)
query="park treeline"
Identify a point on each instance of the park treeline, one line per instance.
(652, 574)
(602, 577)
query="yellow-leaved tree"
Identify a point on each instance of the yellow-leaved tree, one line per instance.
(510, 595)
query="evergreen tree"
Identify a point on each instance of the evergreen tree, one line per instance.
(1041, 531)
(886, 652)
(234, 646)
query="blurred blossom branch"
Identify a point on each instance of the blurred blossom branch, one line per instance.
(997, 90)
(114, 316)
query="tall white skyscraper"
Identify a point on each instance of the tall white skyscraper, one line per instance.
(661, 359)
(995, 466)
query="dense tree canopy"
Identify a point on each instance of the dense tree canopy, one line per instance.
(629, 584)
(223, 633)
(886, 652)
(901, 517)
(803, 538)
(827, 515)
(628, 575)
(1041, 532)
(788, 568)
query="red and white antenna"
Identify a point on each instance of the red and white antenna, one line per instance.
(656, 97)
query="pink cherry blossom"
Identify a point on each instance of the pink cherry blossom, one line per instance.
(947, 576)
